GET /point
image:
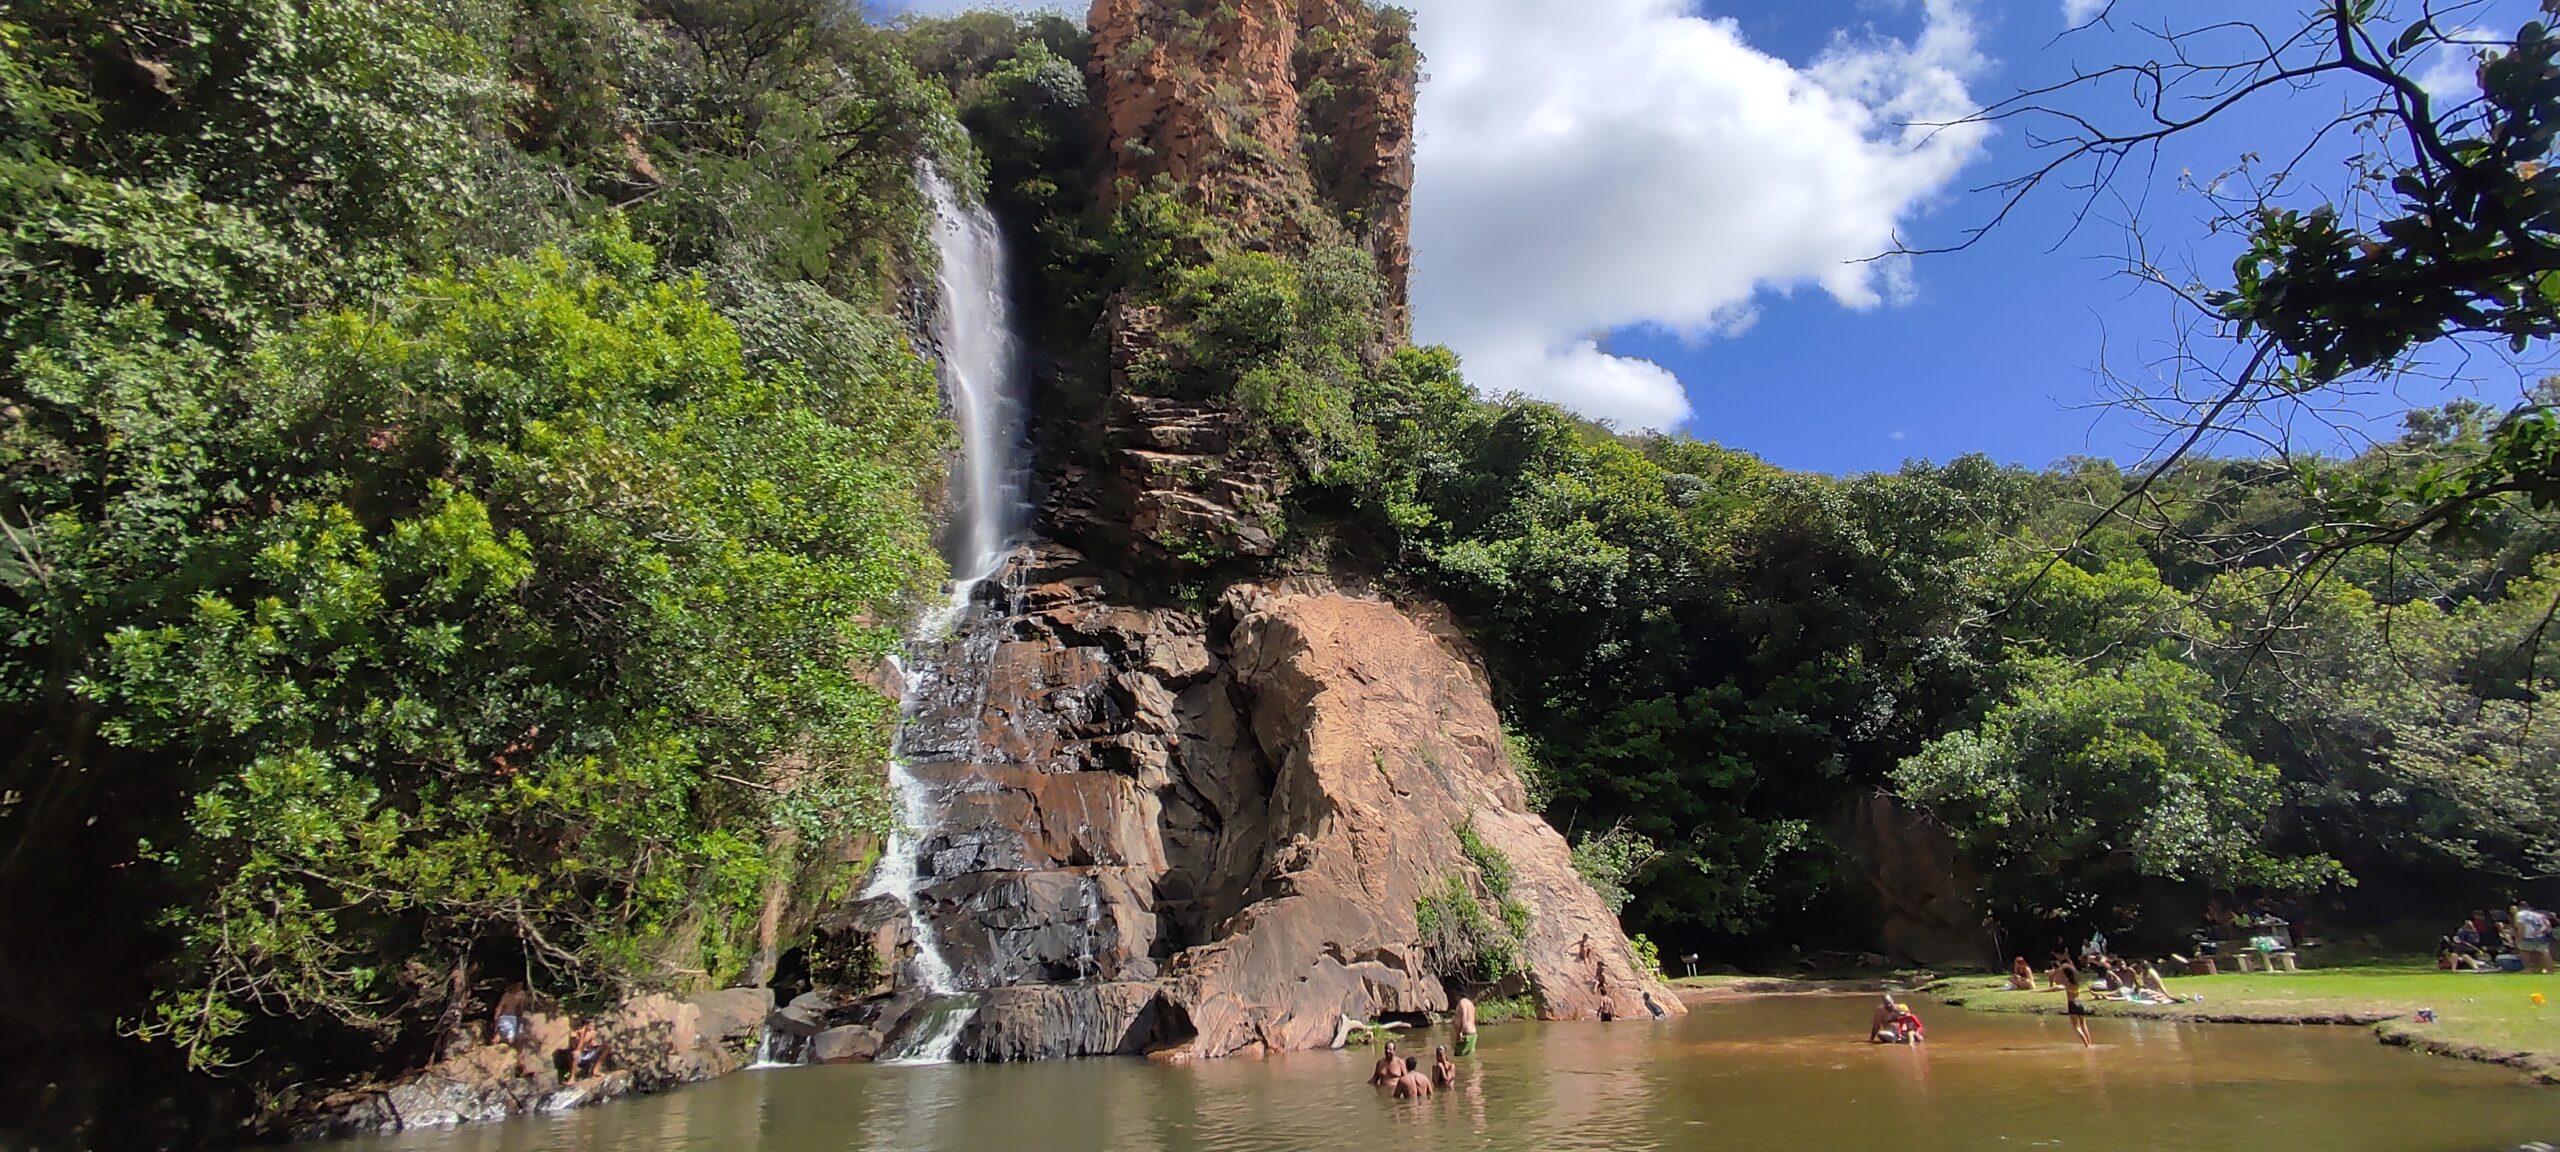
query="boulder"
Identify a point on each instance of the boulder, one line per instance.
(851, 1044)
(733, 1014)
(1050, 1022)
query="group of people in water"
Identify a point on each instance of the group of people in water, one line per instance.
(1404, 1075)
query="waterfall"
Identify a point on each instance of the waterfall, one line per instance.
(982, 377)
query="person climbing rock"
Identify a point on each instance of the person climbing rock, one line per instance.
(1466, 1026)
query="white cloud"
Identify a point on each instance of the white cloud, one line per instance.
(1594, 165)
(2076, 13)
(1587, 166)
(2452, 70)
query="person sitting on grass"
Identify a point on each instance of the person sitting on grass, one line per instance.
(2152, 984)
(2021, 977)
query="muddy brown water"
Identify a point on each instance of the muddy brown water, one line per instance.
(1781, 1073)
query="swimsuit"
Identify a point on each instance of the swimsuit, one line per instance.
(1467, 1044)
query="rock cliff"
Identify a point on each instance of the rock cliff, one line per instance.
(1205, 832)
(1292, 117)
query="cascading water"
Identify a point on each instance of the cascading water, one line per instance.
(981, 375)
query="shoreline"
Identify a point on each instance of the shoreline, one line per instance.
(2462, 1030)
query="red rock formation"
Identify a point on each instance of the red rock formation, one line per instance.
(1207, 834)
(1289, 119)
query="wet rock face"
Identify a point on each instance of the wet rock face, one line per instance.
(1200, 833)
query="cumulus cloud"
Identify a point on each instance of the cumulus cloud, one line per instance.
(1588, 166)
(1591, 166)
(2076, 13)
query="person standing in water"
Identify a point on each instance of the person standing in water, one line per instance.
(2072, 1006)
(1444, 1071)
(1413, 1084)
(1466, 1026)
(1389, 1067)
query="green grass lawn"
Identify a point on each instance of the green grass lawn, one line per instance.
(2481, 1016)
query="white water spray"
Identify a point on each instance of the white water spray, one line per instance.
(981, 375)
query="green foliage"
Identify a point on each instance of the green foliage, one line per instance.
(553, 626)
(2083, 780)
(1613, 860)
(1648, 955)
(1506, 1009)
(1460, 939)
(405, 563)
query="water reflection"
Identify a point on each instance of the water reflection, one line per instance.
(1767, 1074)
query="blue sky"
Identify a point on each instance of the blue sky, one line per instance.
(1654, 214)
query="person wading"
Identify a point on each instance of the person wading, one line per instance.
(1466, 1026)
(2072, 1006)
(1444, 1071)
(1389, 1067)
(1414, 1083)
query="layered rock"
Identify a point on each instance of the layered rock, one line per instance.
(1207, 832)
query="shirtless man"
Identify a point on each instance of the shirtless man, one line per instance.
(1881, 1027)
(1466, 1026)
(1413, 1084)
(1390, 1066)
(506, 1023)
(586, 1052)
(1444, 1071)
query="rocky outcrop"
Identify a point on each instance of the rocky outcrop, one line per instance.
(1199, 832)
(1176, 487)
(653, 1043)
(1383, 742)
(1291, 118)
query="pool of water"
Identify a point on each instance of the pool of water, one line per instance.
(1789, 1073)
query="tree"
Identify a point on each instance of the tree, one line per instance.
(2083, 782)
(2443, 236)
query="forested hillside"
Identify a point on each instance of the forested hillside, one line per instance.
(462, 464)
